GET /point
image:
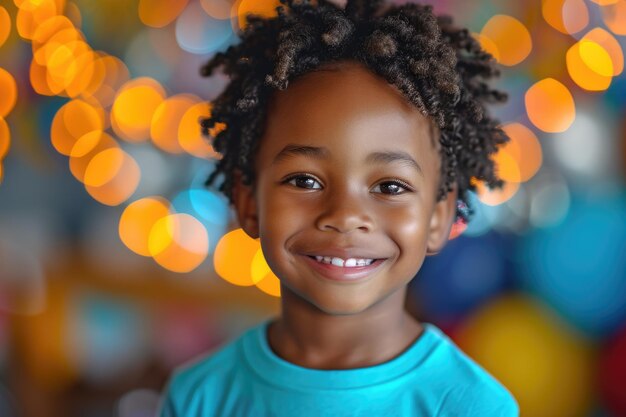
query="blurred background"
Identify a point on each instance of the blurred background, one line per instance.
(117, 264)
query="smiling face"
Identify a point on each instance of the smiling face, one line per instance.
(346, 168)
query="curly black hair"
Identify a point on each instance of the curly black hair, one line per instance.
(439, 68)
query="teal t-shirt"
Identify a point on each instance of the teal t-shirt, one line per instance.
(245, 378)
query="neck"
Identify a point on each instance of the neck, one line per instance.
(306, 336)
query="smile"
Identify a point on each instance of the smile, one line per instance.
(345, 270)
(348, 263)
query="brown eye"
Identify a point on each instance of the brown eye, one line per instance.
(304, 181)
(392, 188)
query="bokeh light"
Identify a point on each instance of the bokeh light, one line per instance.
(190, 135)
(8, 98)
(178, 242)
(265, 8)
(73, 121)
(510, 37)
(137, 221)
(525, 150)
(590, 65)
(552, 374)
(550, 106)
(612, 48)
(160, 13)
(5, 25)
(167, 119)
(5, 138)
(199, 33)
(220, 9)
(615, 17)
(134, 107)
(33, 13)
(262, 275)
(497, 196)
(566, 16)
(233, 257)
(111, 74)
(112, 176)
(578, 265)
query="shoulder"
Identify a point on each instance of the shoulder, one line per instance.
(201, 380)
(471, 390)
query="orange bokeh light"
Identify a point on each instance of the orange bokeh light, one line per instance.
(8, 97)
(179, 242)
(5, 138)
(190, 135)
(265, 8)
(166, 121)
(566, 16)
(496, 196)
(233, 257)
(160, 13)
(525, 149)
(590, 65)
(220, 9)
(110, 74)
(33, 13)
(615, 17)
(134, 106)
(74, 120)
(5, 25)
(550, 106)
(112, 176)
(262, 275)
(137, 221)
(510, 37)
(86, 147)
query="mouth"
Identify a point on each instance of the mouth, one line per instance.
(346, 270)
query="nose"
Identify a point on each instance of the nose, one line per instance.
(344, 212)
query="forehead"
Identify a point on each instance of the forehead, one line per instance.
(344, 103)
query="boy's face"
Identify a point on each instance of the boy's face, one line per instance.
(334, 178)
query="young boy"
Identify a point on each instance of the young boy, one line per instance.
(351, 139)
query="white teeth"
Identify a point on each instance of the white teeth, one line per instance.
(348, 263)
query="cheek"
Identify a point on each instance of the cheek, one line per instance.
(407, 227)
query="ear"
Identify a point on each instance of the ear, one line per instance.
(245, 206)
(441, 222)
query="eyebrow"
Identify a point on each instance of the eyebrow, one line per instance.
(315, 152)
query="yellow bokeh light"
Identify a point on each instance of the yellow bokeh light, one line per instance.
(112, 176)
(86, 147)
(525, 149)
(506, 166)
(110, 74)
(51, 34)
(190, 135)
(8, 97)
(550, 106)
(589, 65)
(233, 257)
(5, 25)
(31, 14)
(134, 106)
(265, 8)
(262, 275)
(38, 76)
(510, 37)
(166, 120)
(615, 17)
(497, 196)
(488, 45)
(137, 221)
(160, 13)
(610, 45)
(74, 120)
(5, 138)
(179, 242)
(220, 9)
(566, 16)
(605, 2)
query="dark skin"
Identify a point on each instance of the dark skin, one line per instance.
(334, 200)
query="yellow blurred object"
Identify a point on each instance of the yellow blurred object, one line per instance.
(550, 106)
(8, 98)
(137, 221)
(233, 257)
(525, 149)
(167, 119)
(86, 148)
(179, 242)
(610, 45)
(190, 135)
(160, 13)
(510, 37)
(547, 366)
(134, 107)
(265, 8)
(112, 176)
(590, 65)
(263, 277)
(5, 25)
(73, 121)
(497, 196)
(33, 13)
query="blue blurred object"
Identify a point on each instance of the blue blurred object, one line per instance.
(465, 274)
(579, 266)
(199, 33)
